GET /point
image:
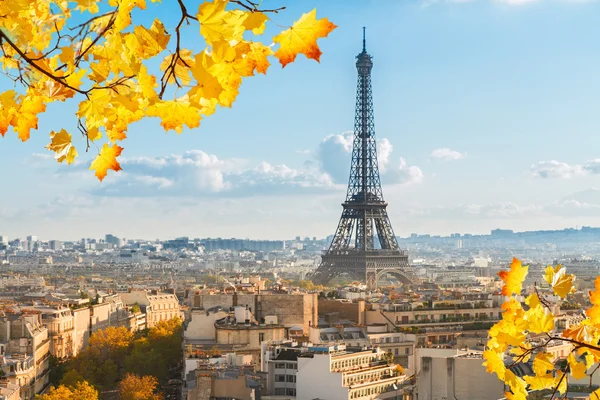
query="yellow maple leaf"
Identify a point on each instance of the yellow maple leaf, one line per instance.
(90, 6)
(561, 282)
(576, 368)
(532, 300)
(152, 41)
(302, 37)
(539, 321)
(218, 24)
(176, 113)
(494, 362)
(107, 159)
(67, 55)
(207, 85)
(8, 109)
(27, 118)
(583, 332)
(255, 22)
(517, 385)
(62, 146)
(594, 311)
(540, 382)
(542, 363)
(513, 279)
(595, 395)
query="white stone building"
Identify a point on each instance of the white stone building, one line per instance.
(337, 373)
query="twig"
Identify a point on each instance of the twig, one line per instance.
(253, 7)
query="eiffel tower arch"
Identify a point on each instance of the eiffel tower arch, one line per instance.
(364, 246)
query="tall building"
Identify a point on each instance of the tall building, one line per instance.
(55, 244)
(4, 240)
(364, 245)
(111, 239)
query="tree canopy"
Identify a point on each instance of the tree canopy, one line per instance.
(81, 391)
(120, 68)
(115, 352)
(133, 387)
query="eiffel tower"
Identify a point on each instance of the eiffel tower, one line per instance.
(364, 211)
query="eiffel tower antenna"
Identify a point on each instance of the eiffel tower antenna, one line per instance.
(364, 39)
(364, 245)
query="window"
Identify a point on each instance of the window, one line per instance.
(396, 352)
(291, 392)
(261, 337)
(406, 350)
(280, 365)
(279, 378)
(291, 366)
(290, 378)
(280, 391)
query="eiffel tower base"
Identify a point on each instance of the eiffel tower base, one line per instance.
(364, 266)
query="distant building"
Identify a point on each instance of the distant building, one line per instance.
(501, 232)
(157, 306)
(112, 240)
(55, 245)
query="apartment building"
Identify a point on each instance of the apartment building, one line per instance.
(293, 310)
(157, 306)
(461, 376)
(9, 391)
(19, 370)
(24, 337)
(61, 329)
(341, 373)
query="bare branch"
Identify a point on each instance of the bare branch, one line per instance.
(253, 7)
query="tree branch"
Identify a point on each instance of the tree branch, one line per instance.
(253, 7)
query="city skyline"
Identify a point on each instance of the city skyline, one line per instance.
(474, 102)
(290, 238)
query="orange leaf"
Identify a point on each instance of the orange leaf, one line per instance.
(513, 279)
(302, 38)
(107, 159)
(594, 311)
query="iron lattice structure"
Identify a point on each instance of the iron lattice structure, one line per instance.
(364, 245)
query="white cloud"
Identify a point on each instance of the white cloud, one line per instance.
(404, 174)
(196, 173)
(558, 169)
(334, 155)
(446, 154)
(384, 150)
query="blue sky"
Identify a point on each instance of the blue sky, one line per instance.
(486, 114)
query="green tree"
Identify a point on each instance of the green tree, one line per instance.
(136, 308)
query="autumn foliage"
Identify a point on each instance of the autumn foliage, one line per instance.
(117, 359)
(80, 391)
(119, 70)
(528, 333)
(133, 387)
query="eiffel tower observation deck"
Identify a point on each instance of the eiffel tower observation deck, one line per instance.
(364, 246)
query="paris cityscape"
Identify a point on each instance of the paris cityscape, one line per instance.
(339, 272)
